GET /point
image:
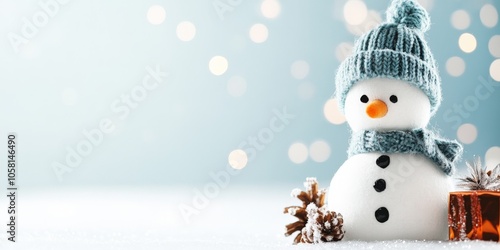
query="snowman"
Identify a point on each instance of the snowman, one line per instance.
(395, 183)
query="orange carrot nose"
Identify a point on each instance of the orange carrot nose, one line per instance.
(376, 109)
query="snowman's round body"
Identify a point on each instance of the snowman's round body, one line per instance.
(390, 196)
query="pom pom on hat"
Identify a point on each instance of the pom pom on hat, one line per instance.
(410, 14)
(395, 49)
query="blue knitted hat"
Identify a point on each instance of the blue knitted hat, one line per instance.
(395, 49)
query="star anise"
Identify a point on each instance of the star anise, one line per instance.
(479, 178)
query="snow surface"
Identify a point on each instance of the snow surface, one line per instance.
(148, 218)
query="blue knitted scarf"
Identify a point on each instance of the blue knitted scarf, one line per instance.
(441, 151)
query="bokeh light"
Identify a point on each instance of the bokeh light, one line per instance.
(297, 153)
(270, 8)
(355, 12)
(299, 69)
(489, 15)
(455, 66)
(467, 42)
(495, 70)
(258, 33)
(237, 159)
(467, 133)
(319, 151)
(372, 20)
(186, 31)
(332, 112)
(492, 157)
(218, 65)
(494, 45)
(156, 14)
(343, 51)
(460, 19)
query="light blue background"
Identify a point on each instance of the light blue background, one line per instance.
(185, 128)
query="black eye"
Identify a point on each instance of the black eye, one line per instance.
(393, 98)
(364, 99)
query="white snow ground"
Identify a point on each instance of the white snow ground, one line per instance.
(148, 218)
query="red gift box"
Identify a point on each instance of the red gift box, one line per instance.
(474, 215)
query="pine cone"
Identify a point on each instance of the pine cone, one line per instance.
(322, 225)
(316, 224)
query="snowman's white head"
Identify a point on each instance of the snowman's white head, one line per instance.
(386, 104)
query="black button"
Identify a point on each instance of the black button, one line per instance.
(382, 214)
(379, 185)
(383, 161)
